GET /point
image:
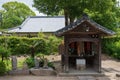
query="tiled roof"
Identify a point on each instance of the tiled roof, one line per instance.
(40, 24)
(84, 18)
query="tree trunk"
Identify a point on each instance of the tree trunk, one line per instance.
(32, 52)
(71, 20)
(66, 17)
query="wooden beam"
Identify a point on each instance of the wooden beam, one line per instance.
(83, 33)
(83, 39)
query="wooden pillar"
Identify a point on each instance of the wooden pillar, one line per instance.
(99, 70)
(78, 48)
(96, 59)
(66, 55)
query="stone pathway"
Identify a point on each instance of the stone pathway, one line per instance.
(111, 67)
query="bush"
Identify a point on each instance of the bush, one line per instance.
(30, 62)
(4, 53)
(22, 45)
(52, 44)
(2, 68)
(50, 64)
(111, 46)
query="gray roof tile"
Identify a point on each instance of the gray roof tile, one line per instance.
(40, 24)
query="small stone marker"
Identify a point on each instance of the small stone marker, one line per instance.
(45, 63)
(14, 63)
(36, 63)
(25, 66)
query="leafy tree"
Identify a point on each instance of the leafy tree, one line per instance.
(105, 12)
(14, 13)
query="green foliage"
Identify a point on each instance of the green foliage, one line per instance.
(24, 45)
(52, 44)
(30, 62)
(104, 12)
(2, 68)
(14, 13)
(111, 46)
(4, 53)
(50, 64)
(41, 35)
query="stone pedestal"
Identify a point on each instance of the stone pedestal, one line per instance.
(42, 72)
(80, 64)
(19, 72)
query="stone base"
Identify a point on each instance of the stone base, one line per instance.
(19, 72)
(42, 72)
(80, 67)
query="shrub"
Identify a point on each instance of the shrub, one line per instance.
(52, 44)
(50, 64)
(111, 46)
(22, 45)
(4, 53)
(2, 68)
(30, 62)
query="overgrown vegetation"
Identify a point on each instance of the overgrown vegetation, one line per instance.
(39, 46)
(41, 59)
(111, 46)
(2, 68)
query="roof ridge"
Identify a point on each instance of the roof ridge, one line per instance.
(79, 21)
(24, 22)
(46, 16)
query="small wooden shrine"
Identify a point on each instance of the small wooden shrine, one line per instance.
(82, 41)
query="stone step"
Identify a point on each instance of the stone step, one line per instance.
(19, 72)
(92, 78)
(81, 74)
(42, 72)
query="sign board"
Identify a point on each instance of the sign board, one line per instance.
(81, 61)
